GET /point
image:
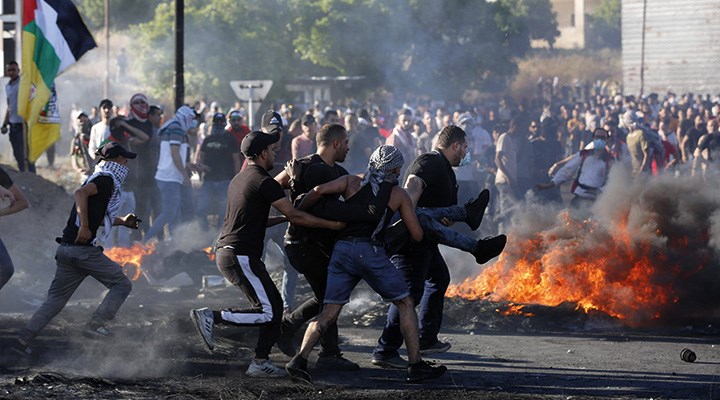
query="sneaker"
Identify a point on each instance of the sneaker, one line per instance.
(423, 370)
(392, 362)
(298, 371)
(204, 321)
(336, 362)
(93, 330)
(21, 347)
(476, 209)
(285, 344)
(264, 369)
(489, 248)
(438, 347)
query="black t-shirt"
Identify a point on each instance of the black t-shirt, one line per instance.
(5, 180)
(440, 184)
(250, 195)
(219, 150)
(315, 172)
(97, 206)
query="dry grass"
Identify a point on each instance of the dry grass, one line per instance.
(585, 66)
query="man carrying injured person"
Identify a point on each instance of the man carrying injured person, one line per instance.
(359, 254)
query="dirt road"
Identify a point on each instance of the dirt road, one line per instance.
(156, 354)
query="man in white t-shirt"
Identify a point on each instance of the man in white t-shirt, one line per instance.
(173, 170)
(506, 176)
(101, 131)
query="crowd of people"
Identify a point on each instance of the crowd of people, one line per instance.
(365, 198)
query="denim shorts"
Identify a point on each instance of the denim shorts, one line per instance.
(358, 258)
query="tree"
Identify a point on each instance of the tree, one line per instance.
(412, 46)
(122, 12)
(604, 27)
(225, 40)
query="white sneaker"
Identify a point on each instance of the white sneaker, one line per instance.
(265, 369)
(204, 321)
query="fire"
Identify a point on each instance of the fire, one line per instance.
(131, 255)
(514, 309)
(578, 262)
(210, 253)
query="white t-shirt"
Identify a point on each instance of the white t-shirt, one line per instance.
(166, 169)
(509, 150)
(98, 133)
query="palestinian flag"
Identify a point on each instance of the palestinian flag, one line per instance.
(54, 37)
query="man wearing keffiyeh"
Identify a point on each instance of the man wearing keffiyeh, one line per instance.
(96, 204)
(359, 254)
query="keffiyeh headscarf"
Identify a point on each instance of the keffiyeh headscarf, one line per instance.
(184, 116)
(382, 162)
(118, 173)
(139, 107)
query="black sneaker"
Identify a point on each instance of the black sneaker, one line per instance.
(391, 362)
(476, 209)
(298, 371)
(423, 370)
(285, 344)
(21, 347)
(336, 362)
(97, 331)
(489, 248)
(437, 347)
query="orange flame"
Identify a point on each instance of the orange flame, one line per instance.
(514, 309)
(210, 253)
(608, 272)
(131, 256)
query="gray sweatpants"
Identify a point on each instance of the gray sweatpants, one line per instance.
(74, 264)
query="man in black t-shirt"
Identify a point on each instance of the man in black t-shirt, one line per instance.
(12, 200)
(219, 161)
(430, 182)
(309, 250)
(96, 204)
(240, 246)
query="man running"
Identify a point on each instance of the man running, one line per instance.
(240, 247)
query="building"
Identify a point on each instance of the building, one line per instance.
(678, 50)
(571, 22)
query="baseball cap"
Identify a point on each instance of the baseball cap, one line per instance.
(218, 118)
(235, 114)
(256, 141)
(307, 119)
(112, 150)
(105, 102)
(271, 121)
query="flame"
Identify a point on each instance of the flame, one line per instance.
(514, 309)
(210, 253)
(611, 272)
(131, 256)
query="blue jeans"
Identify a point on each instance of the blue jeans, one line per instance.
(355, 259)
(437, 232)
(212, 199)
(6, 265)
(427, 277)
(17, 141)
(173, 195)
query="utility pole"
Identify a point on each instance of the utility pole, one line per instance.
(179, 53)
(106, 85)
(642, 50)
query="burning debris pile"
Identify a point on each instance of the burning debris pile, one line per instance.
(647, 256)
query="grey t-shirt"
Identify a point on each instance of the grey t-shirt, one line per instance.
(11, 91)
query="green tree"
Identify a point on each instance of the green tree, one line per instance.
(604, 26)
(412, 46)
(224, 40)
(122, 12)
